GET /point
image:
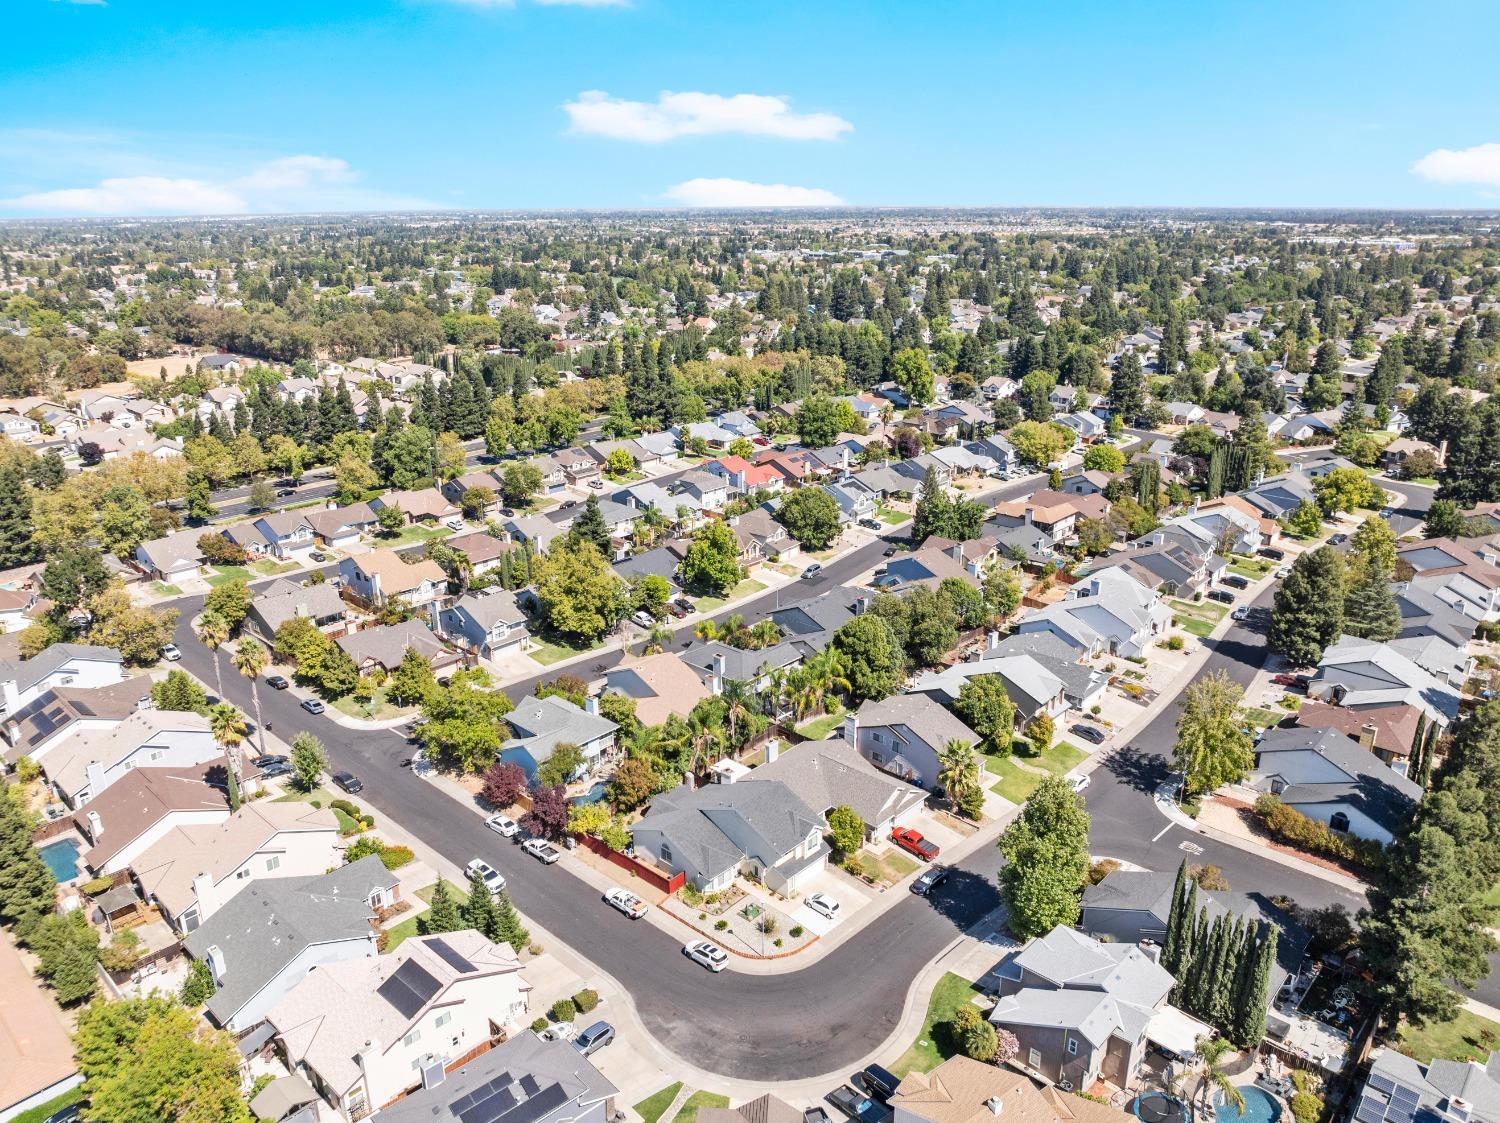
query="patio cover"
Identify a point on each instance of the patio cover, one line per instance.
(281, 1097)
(251, 1043)
(1175, 1031)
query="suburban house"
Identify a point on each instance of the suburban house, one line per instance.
(661, 684)
(711, 834)
(962, 1090)
(810, 624)
(382, 574)
(541, 1081)
(828, 774)
(1107, 612)
(1083, 1010)
(366, 1032)
(717, 662)
(761, 537)
(171, 556)
(488, 622)
(539, 725)
(1032, 688)
(1393, 458)
(709, 491)
(905, 735)
(743, 476)
(1330, 778)
(280, 601)
(1278, 496)
(998, 449)
(1083, 686)
(16, 606)
(932, 565)
(40, 1064)
(1456, 573)
(1359, 673)
(384, 647)
(538, 530)
(1162, 564)
(1424, 613)
(84, 766)
(1129, 906)
(192, 871)
(1055, 513)
(426, 505)
(132, 814)
(482, 551)
(342, 527)
(455, 489)
(316, 920)
(289, 534)
(855, 500)
(659, 561)
(47, 721)
(1400, 1089)
(1390, 732)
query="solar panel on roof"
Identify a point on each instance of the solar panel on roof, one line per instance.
(452, 958)
(1404, 1095)
(409, 988)
(1370, 1110)
(489, 1106)
(529, 1085)
(1381, 1083)
(539, 1106)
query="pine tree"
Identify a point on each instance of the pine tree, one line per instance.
(508, 924)
(16, 544)
(27, 887)
(934, 509)
(1370, 609)
(443, 915)
(1172, 947)
(589, 527)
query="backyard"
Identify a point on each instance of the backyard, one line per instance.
(932, 1046)
(411, 534)
(820, 727)
(1466, 1037)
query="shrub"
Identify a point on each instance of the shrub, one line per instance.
(692, 896)
(768, 924)
(563, 1010)
(1306, 1107)
(1174, 643)
(846, 829)
(854, 865)
(198, 987)
(974, 1036)
(586, 1000)
(1291, 826)
(96, 886)
(1096, 710)
(1209, 877)
(1102, 869)
(392, 857)
(720, 925)
(796, 932)
(538, 1025)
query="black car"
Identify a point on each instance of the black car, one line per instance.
(1234, 581)
(316, 706)
(854, 1104)
(349, 782)
(878, 1082)
(280, 767)
(69, 1114)
(277, 682)
(268, 760)
(890, 551)
(1221, 596)
(569, 504)
(1089, 733)
(1338, 540)
(931, 878)
(285, 491)
(1272, 553)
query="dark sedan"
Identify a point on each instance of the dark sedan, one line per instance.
(1089, 733)
(277, 682)
(349, 782)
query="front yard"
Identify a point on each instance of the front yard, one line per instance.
(376, 709)
(932, 1046)
(1016, 783)
(1466, 1037)
(1198, 619)
(1059, 760)
(397, 933)
(555, 651)
(744, 589)
(410, 534)
(651, 1108)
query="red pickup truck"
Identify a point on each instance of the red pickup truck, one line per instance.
(913, 843)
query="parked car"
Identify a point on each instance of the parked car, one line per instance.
(313, 705)
(1285, 680)
(264, 762)
(878, 1082)
(913, 843)
(279, 766)
(1387, 512)
(707, 955)
(1088, 733)
(277, 682)
(676, 609)
(930, 879)
(318, 556)
(171, 652)
(1282, 571)
(487, 874)
(1221, 595)
(890, 551)
(596, 1037)
(887, 581)
(812, 571)
(1338, 539)
(71, 1114)
(542, 850)
(1272, 553)
(871, 524)
(627, 902)
(1078, 782)
(597, 485)
(824, 905)
(503, 825)
(644, 619)
(1234, 581)
(1241, 613)
(856, 1105)
(349, 782)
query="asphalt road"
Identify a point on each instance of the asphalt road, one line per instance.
(807, 1022)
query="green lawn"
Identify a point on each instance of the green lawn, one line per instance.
(1060, 759)
(890, 867)
(378, 709)
(319, 795)
(1262, 719)
(224, 574)
(408, 927)
(161, 588)
(270, 567)
(346, 824)
(1015, 782)
(890, 516)
(554, 651)
(932, 1046)
(650, 1108)
(688, 1112)
(1466, 1037)
(1198, 619)
(1252, 569)
(819, 728)
(743, 589)
(414, 533)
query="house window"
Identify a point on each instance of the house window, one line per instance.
(1034, 1058)
(875, 737)
(412, 1038)
(273, 862)
(877, 758)
(666, 852)
(1072, 1046)
(442, 1019)
(240, 875)
(1339, 821)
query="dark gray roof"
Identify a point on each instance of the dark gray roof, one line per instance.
(660, 562)
(1384, 795)
(523, 1080)
(688, 818)
(1056, 655)
(491, 607)
(828, 774)
(269, 923)
(281, 600)
(1400, 1089)
(1424, 613)
(541, 724)
(744, 666)
(388, 644)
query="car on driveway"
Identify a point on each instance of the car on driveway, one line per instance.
(542, 850)
(503, 825)
(627, 902)
(487, 874)
(707, 955)
(277, 682)
(812, 571)
(349, 782)
(855, 1104)
(1282, 571)
(824, 905)
(313, 705)
(270, 767)
(1223, 596)
(677, 610)
(1234, 581)
(890, 551)
(644, 619)
(1088, 733)
(913, 843)
(1338, 539)
(871, 524)
(596, 1037)
(814, 1115)
(878, 1082)
(171, 652)
(931, 878)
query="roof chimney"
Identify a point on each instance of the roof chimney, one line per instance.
(591, 704)
(995, 1105)
(773, 750)
(1367, 735)
(96, 826)
(95, 773)
(720, 664)
(217, 965)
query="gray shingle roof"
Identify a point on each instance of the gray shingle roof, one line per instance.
(26, 673)
(689, 819)
(826, 774)
(541, 724)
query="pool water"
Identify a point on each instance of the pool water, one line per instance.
(62, 858)
(1260, 1107)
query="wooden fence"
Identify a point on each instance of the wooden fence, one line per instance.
(648, 874)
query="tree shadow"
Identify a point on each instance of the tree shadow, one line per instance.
(1141, 770)
(965, 898)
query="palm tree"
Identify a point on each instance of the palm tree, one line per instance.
(250, 659)
(958, 769)
(212, 633)
(705, 737)
(765, 634)
(733, 630)
(228, 727)
(774, 693)
(825, 671)
(1210, 1052)
(736, 695)
(656, 640)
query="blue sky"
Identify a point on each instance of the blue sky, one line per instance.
(174, 107)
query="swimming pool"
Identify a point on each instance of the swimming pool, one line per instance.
(1260, 1107)
(595, 793)
(62, 858)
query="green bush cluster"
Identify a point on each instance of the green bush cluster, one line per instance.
(586, 1000)
(1291, 826)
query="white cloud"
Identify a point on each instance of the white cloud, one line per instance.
(285, 184)
(1478, 165)
(742, 193)
(675, 115)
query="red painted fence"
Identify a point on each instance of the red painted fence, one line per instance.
(646, 873)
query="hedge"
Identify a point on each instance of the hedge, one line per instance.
(1291, 826)
(586, 1000)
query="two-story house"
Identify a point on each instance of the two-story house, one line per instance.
(281, 600)
(1108, 612)
(289, 533)
(84, 766)
(488, 622)
(382, 574)
(133, 814)
(539, 725)
(905, 735)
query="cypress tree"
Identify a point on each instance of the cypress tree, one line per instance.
(27, 887)
(1250, 1025)
(1200, 996)
(1418, 742)
(1172, 948)
(16, 545)
(1193, 964)
(443, 915)
(1221, 1000)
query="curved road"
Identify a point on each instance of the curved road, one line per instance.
(804, 1023)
